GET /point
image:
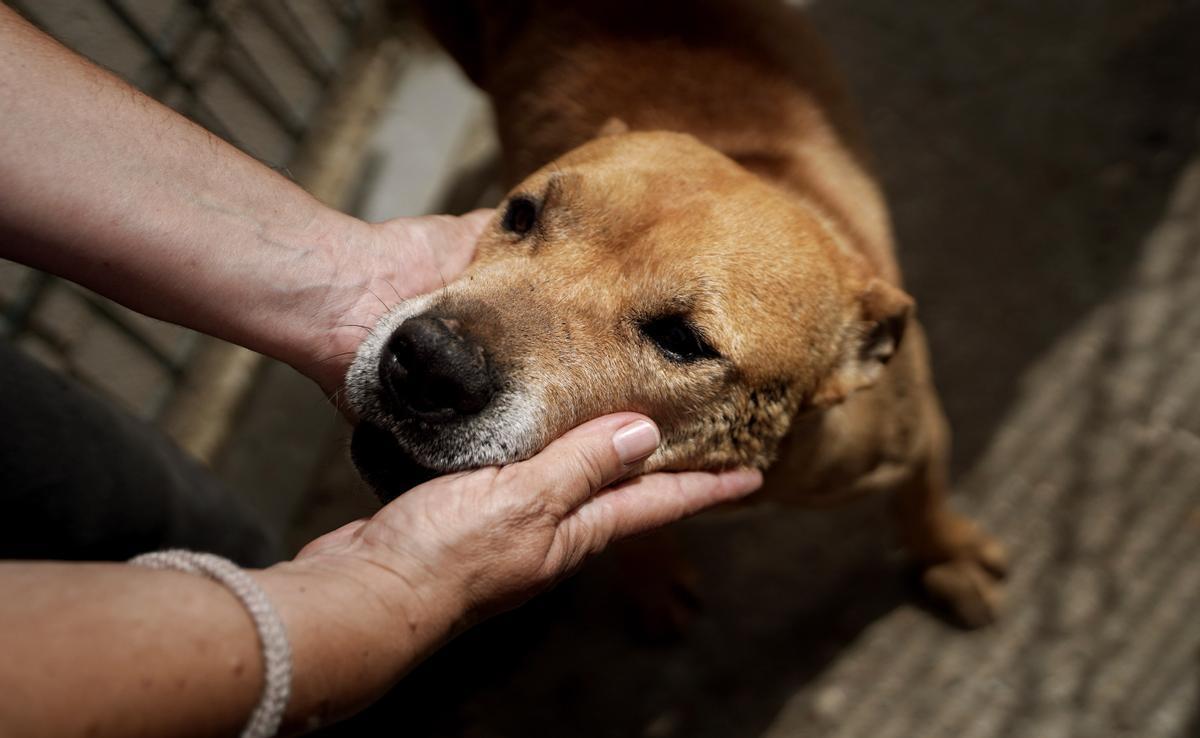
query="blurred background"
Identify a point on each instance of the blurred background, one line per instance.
(1041, 163)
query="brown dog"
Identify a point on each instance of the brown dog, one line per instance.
(694, 236)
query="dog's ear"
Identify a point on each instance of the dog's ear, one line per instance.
(871, 340)
(612, 127)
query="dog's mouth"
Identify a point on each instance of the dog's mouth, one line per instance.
(384, 464)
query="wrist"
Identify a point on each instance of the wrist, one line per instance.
(309, 304)
(369, 268)
(355, 628)
(404, 589)
(359, 270)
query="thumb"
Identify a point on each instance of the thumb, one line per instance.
(573, 468)
(474, 221)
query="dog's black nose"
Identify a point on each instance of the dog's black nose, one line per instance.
(430, 370)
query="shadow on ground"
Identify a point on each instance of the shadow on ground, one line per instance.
(1027, 149)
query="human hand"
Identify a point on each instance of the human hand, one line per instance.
(385, 264)
(360, 606)
(464, 546)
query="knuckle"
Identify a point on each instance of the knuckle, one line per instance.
(512, 475)
(515, 501)
(521, 513)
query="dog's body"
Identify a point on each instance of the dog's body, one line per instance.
(766, 276)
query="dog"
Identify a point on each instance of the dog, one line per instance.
(693, 233)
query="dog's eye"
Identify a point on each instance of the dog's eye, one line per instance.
(520, 216)
(678, 339)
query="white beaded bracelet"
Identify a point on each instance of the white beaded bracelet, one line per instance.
(277, 652)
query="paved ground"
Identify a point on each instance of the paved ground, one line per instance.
(1041, 162)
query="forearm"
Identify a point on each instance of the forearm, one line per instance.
(110, 189)
(107, 649)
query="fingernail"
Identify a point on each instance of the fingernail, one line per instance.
(635, 441)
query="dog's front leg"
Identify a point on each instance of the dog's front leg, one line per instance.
(961, 563)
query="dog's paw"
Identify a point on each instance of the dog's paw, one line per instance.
(968, 589)
(962, 569)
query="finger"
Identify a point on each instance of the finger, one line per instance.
(476, 220)
(585, 460)
(457, 239)
(655, 500)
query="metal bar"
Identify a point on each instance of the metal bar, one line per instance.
(298, 40)
(284, 118)
(17, 317)
(180, 48)
(23, 11)
(187, 353)
(348, 12)
(168, 64)
(104, 310)
(174, 22)
(263, 91)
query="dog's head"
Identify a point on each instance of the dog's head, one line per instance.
(644, 272)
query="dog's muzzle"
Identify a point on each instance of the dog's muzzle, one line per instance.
(431, 371)
(432, 376)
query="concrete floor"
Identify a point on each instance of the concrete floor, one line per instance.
(1041, 164)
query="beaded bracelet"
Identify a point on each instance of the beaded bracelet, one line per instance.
(277, 652)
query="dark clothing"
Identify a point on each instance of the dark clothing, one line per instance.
(81, 480)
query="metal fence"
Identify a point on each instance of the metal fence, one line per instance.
(255, 72)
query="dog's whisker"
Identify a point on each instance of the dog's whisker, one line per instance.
(399, 296)
(334, 356)
(356, 325)
(335, 399)
(386, 307)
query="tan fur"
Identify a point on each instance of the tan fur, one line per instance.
(702, 156)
